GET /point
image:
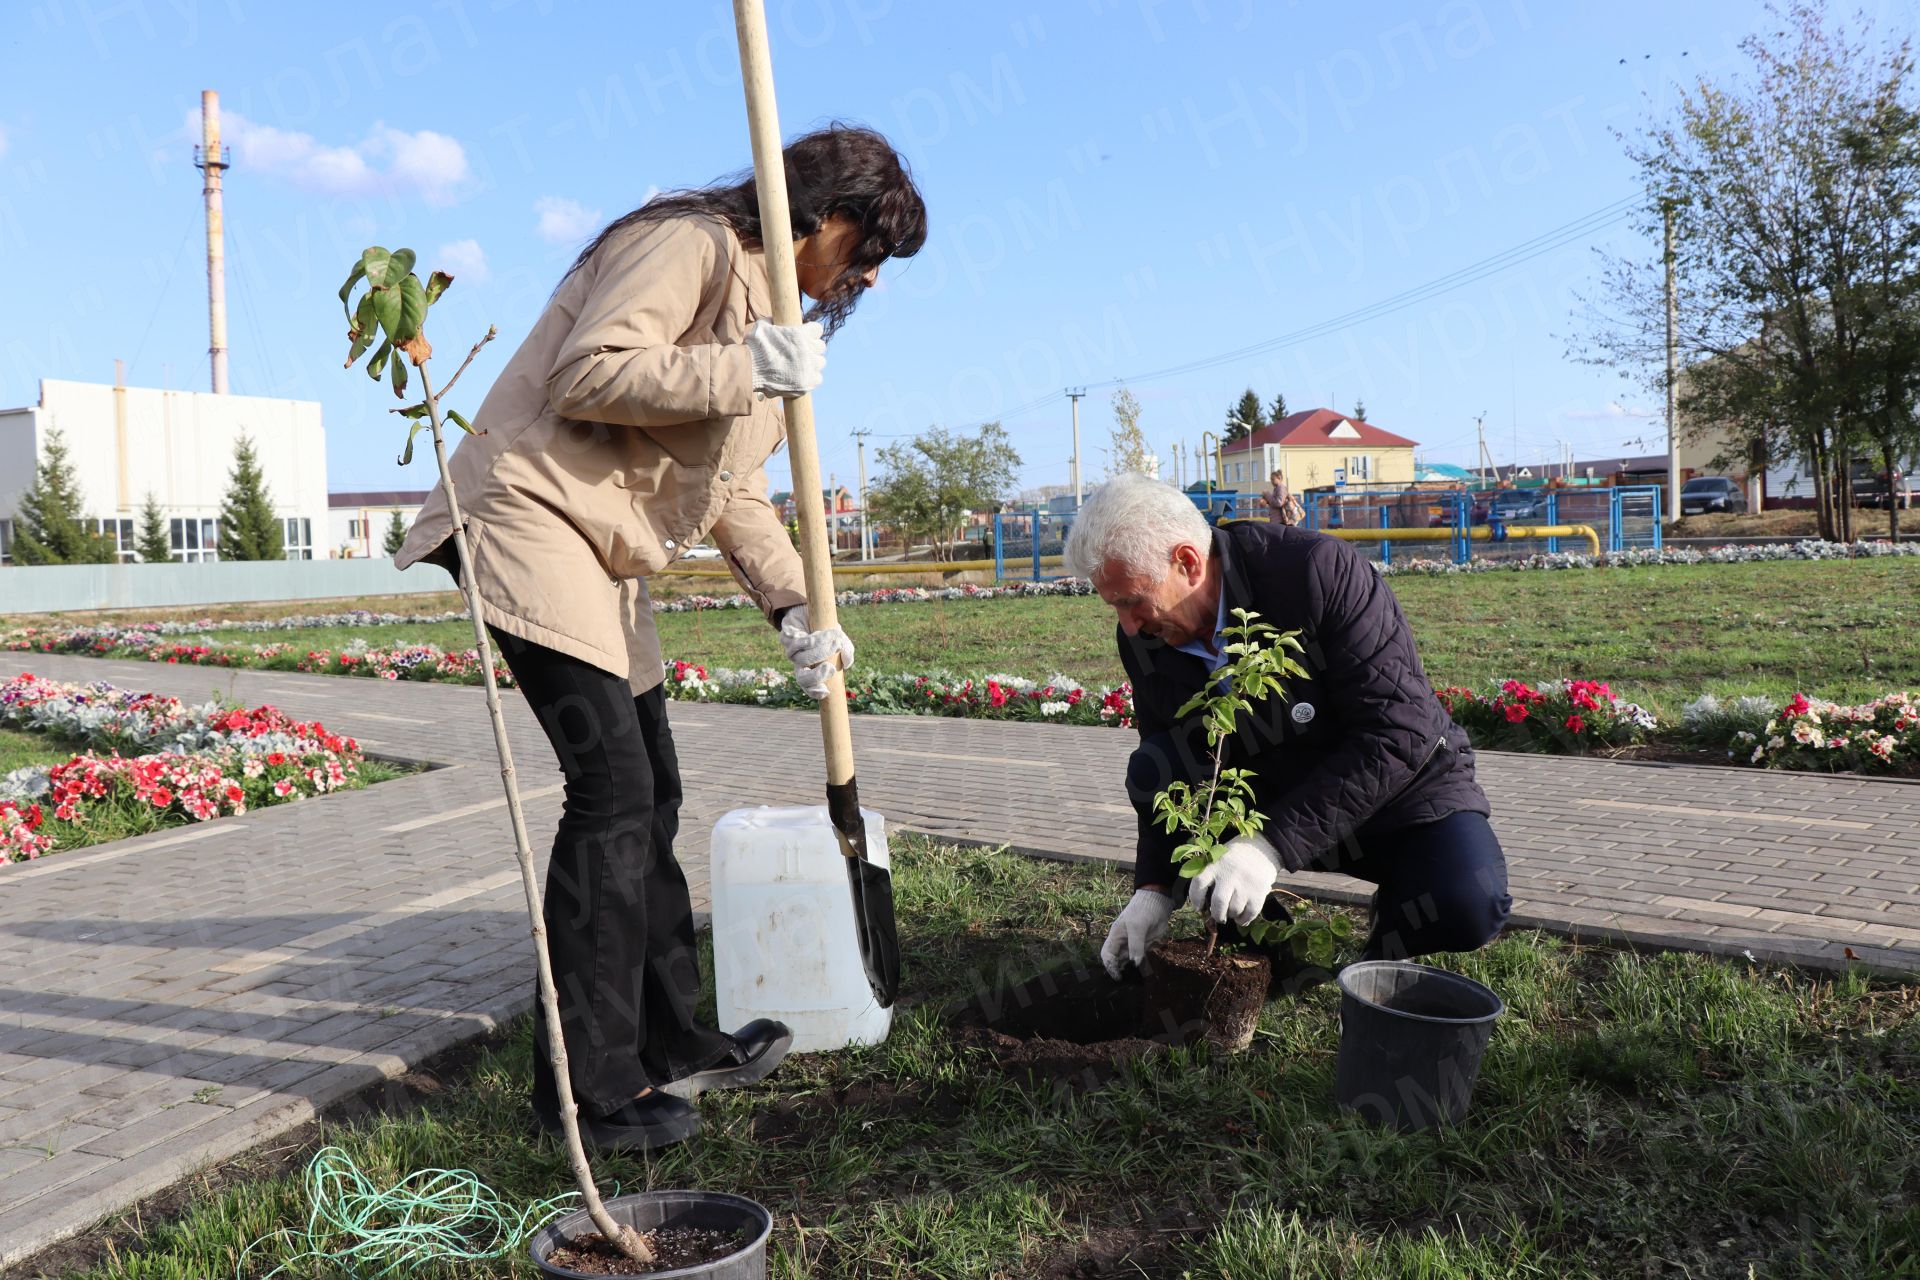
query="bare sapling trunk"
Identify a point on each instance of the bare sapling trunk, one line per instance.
(626, 1238)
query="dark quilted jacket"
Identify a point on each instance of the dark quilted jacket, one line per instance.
(1361, 745)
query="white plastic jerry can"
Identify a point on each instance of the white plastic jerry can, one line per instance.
(783, 935)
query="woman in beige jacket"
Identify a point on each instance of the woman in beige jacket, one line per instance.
(635, 420)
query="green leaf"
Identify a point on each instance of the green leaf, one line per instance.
(406, 454)
(373, 265)
(413, 310)
(353, 277)
(399, 266)
(436, 285)
(378, 365)
(362, 339)
(387, 308)
(399, 371)
(459, 420)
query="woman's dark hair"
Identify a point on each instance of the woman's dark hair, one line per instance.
(841, 169)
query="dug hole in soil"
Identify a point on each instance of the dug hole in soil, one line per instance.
(1074, 1025)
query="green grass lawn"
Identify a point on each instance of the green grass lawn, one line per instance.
(1848, 630)
(19, 749)
(1637, 1115)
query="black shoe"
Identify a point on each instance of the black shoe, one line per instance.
(644, 1124)
(758, 1048)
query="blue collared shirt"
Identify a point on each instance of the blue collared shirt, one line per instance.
(1215, 657)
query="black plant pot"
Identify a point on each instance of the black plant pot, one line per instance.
(712, 1210)
(1411, 1039)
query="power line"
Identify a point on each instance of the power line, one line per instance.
(1525, 251)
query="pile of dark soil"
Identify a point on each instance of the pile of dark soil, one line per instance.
(1075, 1026)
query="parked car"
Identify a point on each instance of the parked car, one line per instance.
(1873, 487)
(700, 551)
(1518, 506)
(1711, 495)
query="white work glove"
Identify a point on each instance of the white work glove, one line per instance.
(787, 358)
(1142, 922)
(812, 653)
(1234, 888)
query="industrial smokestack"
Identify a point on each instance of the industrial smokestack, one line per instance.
(211, 159)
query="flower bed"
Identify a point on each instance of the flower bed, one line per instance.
(193, 763)
(1573, 716)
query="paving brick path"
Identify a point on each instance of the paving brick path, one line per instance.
(175, 999)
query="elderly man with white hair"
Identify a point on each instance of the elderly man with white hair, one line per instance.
(1359, 769)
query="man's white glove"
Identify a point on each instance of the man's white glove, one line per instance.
(1234, 888)
(788, 359)
(813, 653)
(1142, 922)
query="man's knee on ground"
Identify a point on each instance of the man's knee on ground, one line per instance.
(1458, 917)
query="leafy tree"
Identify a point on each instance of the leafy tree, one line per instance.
(930, 484)
(396, 534)
(153, 545)
(1793, 195)
(51, 529)
(249, 530)
(1245, 410)
(1279, 409)
(1129, 451)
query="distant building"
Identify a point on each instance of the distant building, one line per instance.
(357, 523)
(835, 501)
(1315, 448)
(127, 442)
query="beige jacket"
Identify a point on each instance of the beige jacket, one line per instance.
(624, 430)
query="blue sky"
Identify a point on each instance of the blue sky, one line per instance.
(1117, 188)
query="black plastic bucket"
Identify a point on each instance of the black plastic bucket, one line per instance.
(712, 1210)
(1411, 1038)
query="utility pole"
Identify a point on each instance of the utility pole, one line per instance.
(866, 541)
(1487, 468)
(211, 159)
(1074, 394)
(1179, 481)
(1673, 370)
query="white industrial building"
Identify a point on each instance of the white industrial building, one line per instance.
(358, 521)
(127, 442)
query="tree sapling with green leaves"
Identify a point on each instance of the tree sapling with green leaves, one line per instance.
(390, 319)
(1260, 661)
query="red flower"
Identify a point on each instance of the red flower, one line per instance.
(1575, 723)
(162, 797)
(1516, 712)
(1799, 706)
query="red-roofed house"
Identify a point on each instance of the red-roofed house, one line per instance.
(1311, 447)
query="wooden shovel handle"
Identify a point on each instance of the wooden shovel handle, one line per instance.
(770, 175)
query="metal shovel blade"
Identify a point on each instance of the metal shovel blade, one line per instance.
(872, 886)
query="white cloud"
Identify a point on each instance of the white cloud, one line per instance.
(428, 164)
(463, 260)
(564, 221)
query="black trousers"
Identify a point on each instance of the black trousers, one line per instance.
(1442, 886)
(619, 919)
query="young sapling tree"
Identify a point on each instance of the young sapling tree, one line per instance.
(1209, 817)
(393, 312)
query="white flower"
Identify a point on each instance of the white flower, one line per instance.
(1055, 708)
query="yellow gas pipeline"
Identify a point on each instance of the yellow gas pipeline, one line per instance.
(1479, 533)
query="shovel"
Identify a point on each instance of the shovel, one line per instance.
(872, 885)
